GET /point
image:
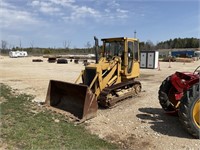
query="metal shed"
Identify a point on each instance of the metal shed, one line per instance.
(149, 59)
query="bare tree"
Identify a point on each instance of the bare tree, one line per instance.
(149, 45)
(32, 44)
(88, 46)
(4, 44)
(66, 44)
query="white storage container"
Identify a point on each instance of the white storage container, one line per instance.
(149, 59)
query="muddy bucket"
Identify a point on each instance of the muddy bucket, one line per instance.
(76, 99)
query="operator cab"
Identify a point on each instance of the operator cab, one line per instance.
(125, 48)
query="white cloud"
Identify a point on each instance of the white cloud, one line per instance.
(48, 8)
(113, 3)
(63, 10)
(114, 11)
(122, 11)
(107, 10)
(13, 17)
(70, 10)
(62, 2)
(35, 3)
(80, 12)
(83, 11)
(45, 7)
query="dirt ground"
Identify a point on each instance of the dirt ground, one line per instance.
(136, 123)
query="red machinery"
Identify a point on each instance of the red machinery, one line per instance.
(180, 93)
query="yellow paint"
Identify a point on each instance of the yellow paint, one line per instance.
(112, 71)
(196, 113)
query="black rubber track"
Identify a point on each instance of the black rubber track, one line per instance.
(191, 96)
(163, 95)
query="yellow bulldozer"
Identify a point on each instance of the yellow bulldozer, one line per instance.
(104, 83)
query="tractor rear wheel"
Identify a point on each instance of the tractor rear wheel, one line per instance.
(164, 95)
(189, 110)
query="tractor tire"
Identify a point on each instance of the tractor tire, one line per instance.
(163, 95)
(189, 110)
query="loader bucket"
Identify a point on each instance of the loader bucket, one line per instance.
(76, 99)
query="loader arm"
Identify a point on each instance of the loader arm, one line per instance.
(105, 73)
(109, 76)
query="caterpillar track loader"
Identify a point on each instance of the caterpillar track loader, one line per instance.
(109, 80)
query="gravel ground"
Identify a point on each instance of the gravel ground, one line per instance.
(136, 123)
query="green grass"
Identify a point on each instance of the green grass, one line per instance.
(24, 126)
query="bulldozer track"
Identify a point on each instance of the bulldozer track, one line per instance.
(109, 97)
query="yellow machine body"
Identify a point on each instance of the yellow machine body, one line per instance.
(118, 62)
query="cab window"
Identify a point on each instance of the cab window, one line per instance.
(135, 51)
(114, 48)
(130, 56)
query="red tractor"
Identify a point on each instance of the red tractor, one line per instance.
(180, 93)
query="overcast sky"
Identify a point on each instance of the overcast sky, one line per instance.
(48, 23)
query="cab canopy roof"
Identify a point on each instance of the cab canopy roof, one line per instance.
(119, 39)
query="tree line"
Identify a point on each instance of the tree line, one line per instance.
(36, 51)
(170, 44)
(148, 45)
